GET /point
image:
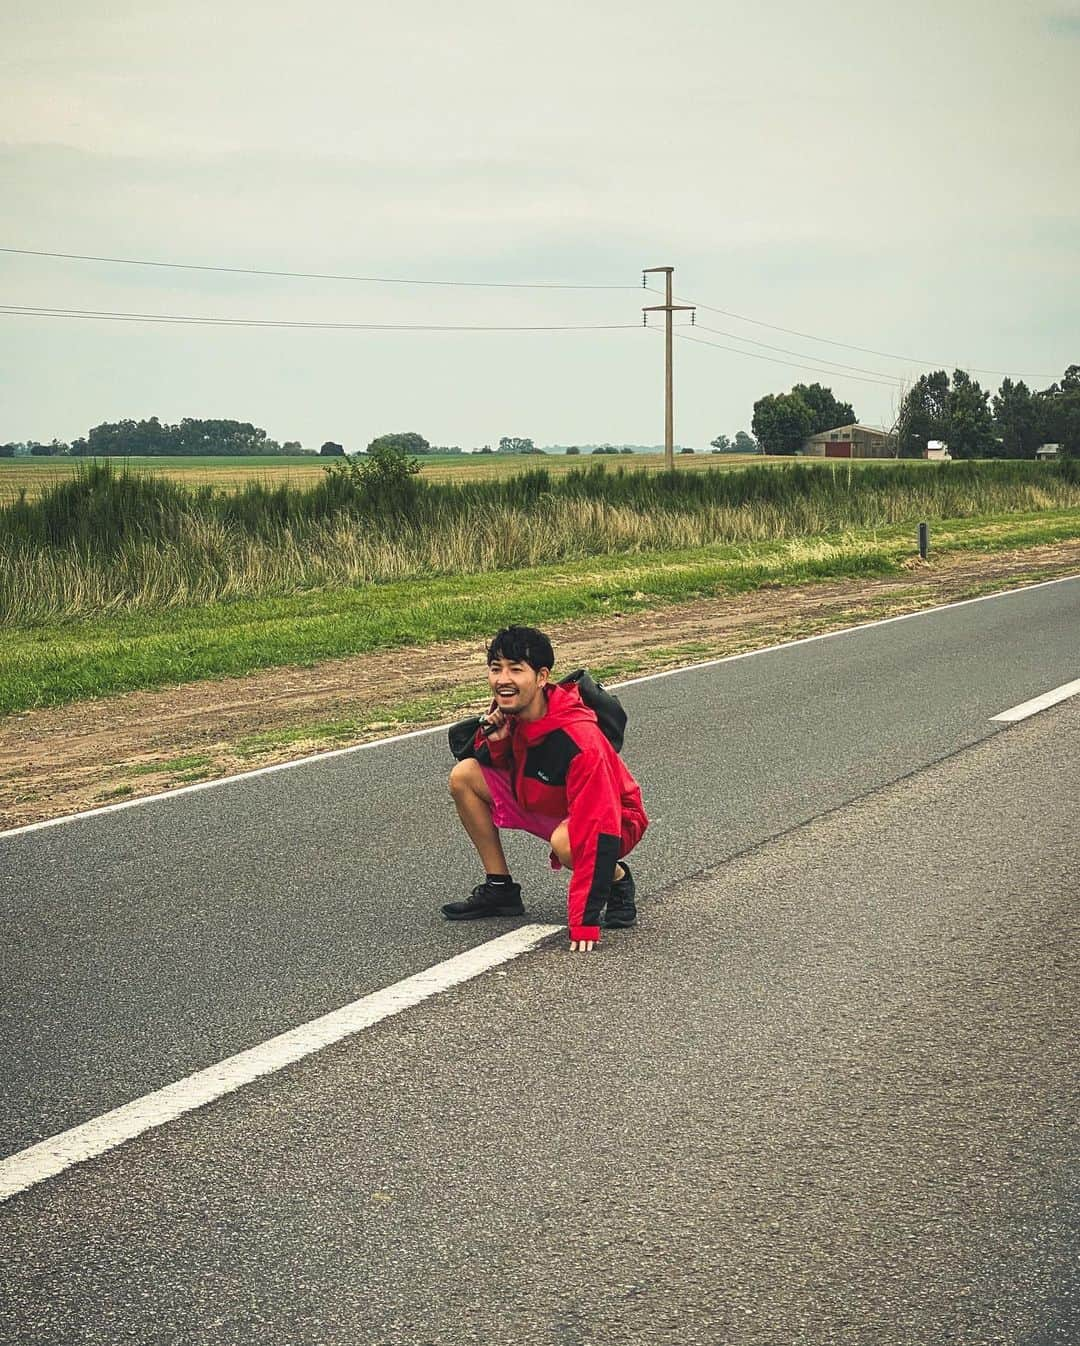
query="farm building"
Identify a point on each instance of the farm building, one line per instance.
(851, 441)
(1047, 452)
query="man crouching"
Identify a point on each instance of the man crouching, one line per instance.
(539, 762)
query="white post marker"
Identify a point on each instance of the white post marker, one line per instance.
(1037, 703)
(104, 1133)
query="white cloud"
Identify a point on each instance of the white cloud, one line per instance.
(902, 178)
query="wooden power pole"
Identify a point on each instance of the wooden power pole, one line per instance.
(667, 309)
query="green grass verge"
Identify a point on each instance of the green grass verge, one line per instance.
(50, 665)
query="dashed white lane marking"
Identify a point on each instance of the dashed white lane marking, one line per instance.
(104, 1133)
(1037, 703)
(125, 804)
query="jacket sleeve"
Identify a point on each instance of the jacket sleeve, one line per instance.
(496, 751)
(592, 795)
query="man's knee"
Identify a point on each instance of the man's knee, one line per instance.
(465, 777)
(560, 844)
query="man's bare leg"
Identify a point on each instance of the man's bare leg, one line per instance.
(472, 800)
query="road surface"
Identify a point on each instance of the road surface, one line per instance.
(825, 1092)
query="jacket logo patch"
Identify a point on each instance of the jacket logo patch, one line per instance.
(549, 760)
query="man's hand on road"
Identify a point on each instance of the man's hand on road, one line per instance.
(582, 945)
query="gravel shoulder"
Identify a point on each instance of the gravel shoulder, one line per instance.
(65, 759)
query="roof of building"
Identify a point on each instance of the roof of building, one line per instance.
(855, 425)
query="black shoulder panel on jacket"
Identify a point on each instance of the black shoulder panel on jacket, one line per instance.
(549, 760)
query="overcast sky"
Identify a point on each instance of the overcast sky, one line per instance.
(899, 177)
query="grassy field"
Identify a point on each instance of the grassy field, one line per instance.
(110, 541)
(33, 475)
(121, 580)
(52, 664)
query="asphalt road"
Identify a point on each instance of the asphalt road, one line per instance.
(825, 1093)
(142, 945)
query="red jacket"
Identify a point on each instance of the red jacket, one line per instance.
(563, 766)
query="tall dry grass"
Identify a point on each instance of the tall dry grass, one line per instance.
(111, 543)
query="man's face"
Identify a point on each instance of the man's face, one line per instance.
(515, 685)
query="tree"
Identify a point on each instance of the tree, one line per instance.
(742, 443)
(407, 442)
(573, 449)
(332, 450)
(827, 412)
(781, 422)
(924, 414)
(1016, 415)
(218, 438)
(512, 444)
(381, 481)
(7, 450)
(970, 432)
(605, 448)
(190, 437)
(1059, 413)
(686, 450)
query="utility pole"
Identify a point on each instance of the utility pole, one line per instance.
(667, 308)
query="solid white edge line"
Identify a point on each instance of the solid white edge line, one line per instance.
(841, 631)
(51, 1157)
(441, 728)
(1037, 703)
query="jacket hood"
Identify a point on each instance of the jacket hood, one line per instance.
(565, 707)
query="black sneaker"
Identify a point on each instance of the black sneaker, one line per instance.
(621, 911)
(503, 899)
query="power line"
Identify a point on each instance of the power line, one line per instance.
(864, 350)
(527, 285)
(314, 275)
(875, 373)
(751, 355)
(107, 315)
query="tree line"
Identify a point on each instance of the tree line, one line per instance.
(958, 411)
(156, 439)
(1013, 424)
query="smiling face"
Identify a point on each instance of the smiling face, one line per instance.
(517, 687)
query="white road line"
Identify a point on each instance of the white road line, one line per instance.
(61, 1152)
(1037, 703)
(441, 728)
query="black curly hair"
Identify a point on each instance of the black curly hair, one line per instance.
(522, 644)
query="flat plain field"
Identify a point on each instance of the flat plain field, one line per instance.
(32, 475)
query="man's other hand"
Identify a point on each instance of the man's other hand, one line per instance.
(582, 945)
